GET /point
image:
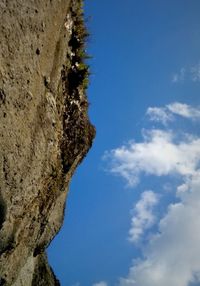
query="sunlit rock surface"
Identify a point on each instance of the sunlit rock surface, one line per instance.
(44, 132)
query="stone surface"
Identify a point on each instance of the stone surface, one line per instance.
(44, 132)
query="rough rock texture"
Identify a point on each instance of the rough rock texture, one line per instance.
(44, 130)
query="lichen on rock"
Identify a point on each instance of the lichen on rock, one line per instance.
(45, 131)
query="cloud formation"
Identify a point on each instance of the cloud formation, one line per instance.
(195, 72)
(184, 110)
(172, 255)
(159, 154)
(143, 217)
(180, 76)
(102, 283)
(167, 114)
(160, 114)
(191, 73)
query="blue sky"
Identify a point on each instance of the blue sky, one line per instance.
(141, 176)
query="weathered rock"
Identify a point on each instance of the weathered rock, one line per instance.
(44, 131)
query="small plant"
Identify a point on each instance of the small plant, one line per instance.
(78, 132)
(79, 74)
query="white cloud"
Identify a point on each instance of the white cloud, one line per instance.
(159, 114)
(158, 155)
(184, 110)
(191, 73)
(102, 283)
(195, 73)
(180, 76)
(173, 254)
(167, 114)
(143, 217)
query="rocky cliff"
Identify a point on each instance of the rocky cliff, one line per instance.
(44, 132)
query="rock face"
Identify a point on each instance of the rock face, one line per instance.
(44, 132)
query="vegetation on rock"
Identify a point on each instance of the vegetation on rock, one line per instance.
(78, 131)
